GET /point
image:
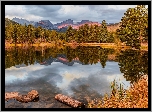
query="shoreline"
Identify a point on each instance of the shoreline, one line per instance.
(104, 45)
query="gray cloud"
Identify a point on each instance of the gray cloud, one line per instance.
(98, 7)
(111, 15)
(59, 13)
(41, 10)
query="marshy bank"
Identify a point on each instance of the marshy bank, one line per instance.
(135, 97)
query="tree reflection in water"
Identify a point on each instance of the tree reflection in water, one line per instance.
(132, 63)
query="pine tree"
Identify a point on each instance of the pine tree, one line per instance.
(95, 34)
(14, 36)
(86, 33)
(31, 34)
(69, 34)
(9, 32)
(25, 32)
(133, 25)
(90, 38)
(103, 32)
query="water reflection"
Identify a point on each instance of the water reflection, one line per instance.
(133, 64)
(86, 55)
(78, 80)
(82, 72)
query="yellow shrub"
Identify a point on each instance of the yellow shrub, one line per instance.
(135, 97)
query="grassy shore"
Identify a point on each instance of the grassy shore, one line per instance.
(135, 97)
(104, 45)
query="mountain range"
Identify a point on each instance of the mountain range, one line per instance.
(62, 26)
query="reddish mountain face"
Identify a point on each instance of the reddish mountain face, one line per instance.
(76, 26)
(110, 28)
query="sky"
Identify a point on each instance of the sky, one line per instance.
(59, 13)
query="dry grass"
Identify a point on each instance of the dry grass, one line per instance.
(74, 45)
(135, 97)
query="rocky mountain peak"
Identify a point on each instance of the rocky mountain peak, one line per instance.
(64, 24)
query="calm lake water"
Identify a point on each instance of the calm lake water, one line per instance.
(81, 73)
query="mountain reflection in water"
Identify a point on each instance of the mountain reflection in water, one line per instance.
(61, 58)
(80, 79)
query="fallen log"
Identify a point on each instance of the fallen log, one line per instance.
(69, 101)
(32, 96)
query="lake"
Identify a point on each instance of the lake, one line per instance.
(81, 73)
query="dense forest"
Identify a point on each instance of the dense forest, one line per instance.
(133, 30)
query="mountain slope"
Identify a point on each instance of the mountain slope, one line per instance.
(23, 21)
(8, 21)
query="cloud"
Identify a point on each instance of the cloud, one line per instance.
(41, 10)
(12, 11)
(59, 13)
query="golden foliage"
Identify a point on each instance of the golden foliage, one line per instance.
(135, 97)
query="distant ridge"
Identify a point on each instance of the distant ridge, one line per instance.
(62, 26)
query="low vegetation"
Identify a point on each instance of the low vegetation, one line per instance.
(135, 97)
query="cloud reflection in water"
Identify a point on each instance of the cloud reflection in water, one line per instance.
(68, 78)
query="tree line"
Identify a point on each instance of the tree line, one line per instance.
(133, 31)
(16, 33)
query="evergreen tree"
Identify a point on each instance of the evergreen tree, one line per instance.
(103, 32)
(31, 34)
(90, 38)
(80, 34)
(54, 35)
(9, 32)
(46, 35)
(14, 36)
(133, 25)
(96, 34)
(25, 31)
(69, 34)
(85, 33)
(39, 33)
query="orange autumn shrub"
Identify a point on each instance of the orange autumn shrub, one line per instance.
(135, 97)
